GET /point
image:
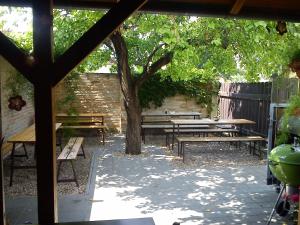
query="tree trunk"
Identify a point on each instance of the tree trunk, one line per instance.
(133, 130)
(130, 87)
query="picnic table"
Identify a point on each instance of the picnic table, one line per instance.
(26, 136)
(84, 121)
(205, 121)
(170, 114)
(165, 123)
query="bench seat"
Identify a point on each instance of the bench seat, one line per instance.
(69, 154)
(183, 140)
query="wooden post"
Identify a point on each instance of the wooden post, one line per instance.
(44, 111)
(2, 197)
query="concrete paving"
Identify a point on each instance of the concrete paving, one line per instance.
(152, 185)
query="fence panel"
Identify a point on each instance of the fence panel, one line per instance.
(249, 101)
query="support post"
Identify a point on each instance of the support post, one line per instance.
(2, 197)
(44, 111)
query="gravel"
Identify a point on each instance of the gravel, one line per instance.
(210, 154)
(197, 156)
(24, 180)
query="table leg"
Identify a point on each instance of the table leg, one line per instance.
(173, 137)
(12, 156)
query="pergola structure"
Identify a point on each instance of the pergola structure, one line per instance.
(44, 73)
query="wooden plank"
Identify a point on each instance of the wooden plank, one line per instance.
(218, 130)
(16, 57)
(94, 36)
(44, 111)
(67, 149)
(75, 148)
(83, 127)
(220, 139)
(212, 122)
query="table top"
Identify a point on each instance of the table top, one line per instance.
(207, 121)
(83, 115)
(171, 113)
(27, 135)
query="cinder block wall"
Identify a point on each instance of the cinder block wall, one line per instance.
(12, 121)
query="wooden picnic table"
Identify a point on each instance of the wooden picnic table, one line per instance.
(177, 123)
(82, 118)
(170, 114)
(26, 136)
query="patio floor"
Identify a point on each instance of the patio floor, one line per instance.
(153, 185)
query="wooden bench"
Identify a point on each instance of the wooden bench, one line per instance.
(204, 132)
(84, 121)
(183, 140)
(99, 127)
(162, 127)
(69, 154)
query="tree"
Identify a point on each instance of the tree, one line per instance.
(181, 48)
(130, 86)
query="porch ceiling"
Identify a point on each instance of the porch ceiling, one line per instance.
(264, 9)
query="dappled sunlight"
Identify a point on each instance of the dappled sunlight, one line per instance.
(151, 185)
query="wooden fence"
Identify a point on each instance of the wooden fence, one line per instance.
(249, 101)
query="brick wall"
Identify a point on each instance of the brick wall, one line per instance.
(12, 121)
(101, 93)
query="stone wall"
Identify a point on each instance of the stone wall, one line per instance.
(12, 121)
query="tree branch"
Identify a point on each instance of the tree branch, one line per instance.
(124, 72)
(151, 56)
(162, 61)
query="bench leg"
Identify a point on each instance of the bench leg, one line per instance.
(103, 137)
(12, 164)
(58, 170)
(83, 153)
(25, 151)
(182, 151)
(74, 173)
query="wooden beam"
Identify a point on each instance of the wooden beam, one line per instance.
(236, 8)
(94, 36)
(2, 197)
(45, 146)
(18, 59)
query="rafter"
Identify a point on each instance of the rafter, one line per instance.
(18, 59)
(236, 8)
(94, 36)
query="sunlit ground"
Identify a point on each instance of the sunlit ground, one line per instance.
(153, 185)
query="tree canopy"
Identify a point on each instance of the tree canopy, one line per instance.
(205, 49)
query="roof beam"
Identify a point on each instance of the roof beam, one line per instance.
(17, 58)
(236, 8)
(184, 7)
(94, 36)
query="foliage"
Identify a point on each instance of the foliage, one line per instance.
(16, 84)
(205, 49)
(165, 87)
(284, 132)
